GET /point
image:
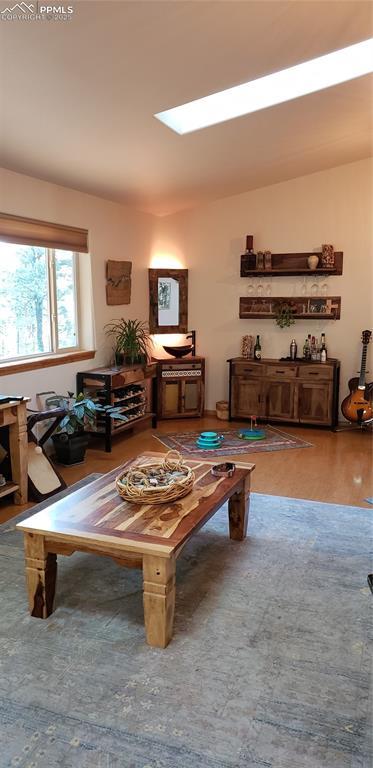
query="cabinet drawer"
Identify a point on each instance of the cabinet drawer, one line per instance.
(281, 371)
(248, 369)
(316, 372)
(127, 377)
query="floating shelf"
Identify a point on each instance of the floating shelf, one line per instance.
(306, 307)
(290, 264)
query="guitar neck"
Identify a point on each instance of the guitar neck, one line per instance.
(363, 367)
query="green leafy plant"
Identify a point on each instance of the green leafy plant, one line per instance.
(81, 412)
(284, 313)
(131, 339)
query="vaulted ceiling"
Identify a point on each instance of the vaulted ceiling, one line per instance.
(78, 97)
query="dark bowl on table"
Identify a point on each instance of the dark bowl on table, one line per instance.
(180, 351)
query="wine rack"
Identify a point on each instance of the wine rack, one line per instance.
(130, 390)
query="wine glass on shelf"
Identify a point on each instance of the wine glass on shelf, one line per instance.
(250, 288)
(303, 289)
(268, 288)
(260, 289)
(314, 289)
(324, 288)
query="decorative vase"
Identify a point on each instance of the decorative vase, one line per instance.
(313, 261)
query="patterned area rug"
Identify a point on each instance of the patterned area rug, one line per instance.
(268, 667)
(185, 443)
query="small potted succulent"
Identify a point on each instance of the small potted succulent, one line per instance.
(132, 341)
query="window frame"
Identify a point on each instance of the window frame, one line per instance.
(56, 350)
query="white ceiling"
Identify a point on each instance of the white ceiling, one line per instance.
(78, 98)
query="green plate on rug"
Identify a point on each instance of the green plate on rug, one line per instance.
(251, 434)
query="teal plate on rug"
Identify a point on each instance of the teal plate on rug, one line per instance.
(251, 434)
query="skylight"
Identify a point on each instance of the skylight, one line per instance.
(308, 77)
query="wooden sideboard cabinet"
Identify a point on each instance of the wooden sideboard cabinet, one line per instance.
(181, 387)
(284, 391)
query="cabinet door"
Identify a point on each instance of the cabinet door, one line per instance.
(191, 397)
(247, 397)
(280, 397)
(170, 398)
(315, 403)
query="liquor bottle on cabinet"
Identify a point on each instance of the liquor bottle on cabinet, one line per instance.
(306, 350)
(323, 350)
(257, 349)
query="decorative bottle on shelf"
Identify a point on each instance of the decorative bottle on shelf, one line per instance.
(260, 260)
(257, 349)
(323, 351)
(249, 252)
(293, 350)
(249, 244)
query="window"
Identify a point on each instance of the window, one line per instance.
(38, 301)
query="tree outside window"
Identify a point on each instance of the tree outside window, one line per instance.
(37, 301)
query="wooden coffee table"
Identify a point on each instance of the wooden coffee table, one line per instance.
(95, 519)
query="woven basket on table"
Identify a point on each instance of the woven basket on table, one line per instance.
(128, 487)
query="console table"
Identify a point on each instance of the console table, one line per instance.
(181, 387)
(13, 415)
(293, 391)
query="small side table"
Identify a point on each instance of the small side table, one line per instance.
(13, 415)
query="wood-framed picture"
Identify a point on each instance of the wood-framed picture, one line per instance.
(168, 300)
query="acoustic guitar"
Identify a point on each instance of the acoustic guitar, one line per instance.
(358, 405)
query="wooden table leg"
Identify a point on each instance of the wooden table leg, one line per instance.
(238, 509)
(159, 599)
(41, 573)
(18, 453)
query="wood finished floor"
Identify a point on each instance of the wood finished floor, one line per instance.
(337, 469)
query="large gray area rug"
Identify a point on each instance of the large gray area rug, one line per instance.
(268, 667)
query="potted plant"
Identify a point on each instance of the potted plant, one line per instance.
(70, 440)
(132, 342)
(284, 313)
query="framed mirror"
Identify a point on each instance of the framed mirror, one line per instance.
(168, 295)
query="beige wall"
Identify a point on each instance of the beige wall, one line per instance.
(115, 232)
(333, 206)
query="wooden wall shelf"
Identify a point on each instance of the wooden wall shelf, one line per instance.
(306, 307)
(289, 264)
